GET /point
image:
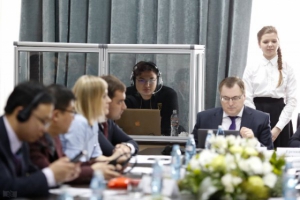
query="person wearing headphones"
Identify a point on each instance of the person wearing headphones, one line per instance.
(27, 115)
(148, 92)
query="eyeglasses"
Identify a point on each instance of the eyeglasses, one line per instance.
(143, 81)
(233, 99)
(70, 111)
(46, 123)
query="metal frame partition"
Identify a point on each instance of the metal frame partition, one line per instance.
(197, 69)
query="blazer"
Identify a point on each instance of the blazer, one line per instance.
(115, 136)
(31, 183)
(42, 156)
(295, 139)
(257, 121)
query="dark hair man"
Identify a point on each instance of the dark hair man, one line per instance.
(27, 114)
(116, 137)
(148, 92)
(234, 115)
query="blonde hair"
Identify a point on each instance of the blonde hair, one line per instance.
(267, 30)
(89, 91)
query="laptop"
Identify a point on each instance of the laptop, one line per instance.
(202, 133)
(140, 122)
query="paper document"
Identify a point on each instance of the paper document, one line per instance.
(150, 159)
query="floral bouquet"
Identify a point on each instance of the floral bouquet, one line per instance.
(234, 169)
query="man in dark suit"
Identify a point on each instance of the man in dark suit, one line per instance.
(295, 139)
(49, 148)
(233, 115)
(116, 138)
(27, 114)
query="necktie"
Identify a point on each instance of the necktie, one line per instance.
(17, 158)
(232, 125)
(105, 129)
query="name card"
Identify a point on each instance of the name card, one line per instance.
(288, 152)
(169, 189)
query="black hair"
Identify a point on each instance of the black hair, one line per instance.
(24, 93)
(62, 95)
(143, 66)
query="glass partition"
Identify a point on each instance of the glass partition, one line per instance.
(182, 68)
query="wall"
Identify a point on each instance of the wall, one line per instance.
(9, 31)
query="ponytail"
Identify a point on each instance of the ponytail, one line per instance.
(279, 62)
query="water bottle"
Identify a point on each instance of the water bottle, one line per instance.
(208, 139)
(157, 178)
(174, 123)
(65, 195)
(176, 162)
(289, 183)
(220, 131)
(97, 185)
(190, 149)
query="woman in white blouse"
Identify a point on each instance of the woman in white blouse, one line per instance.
(271, 86)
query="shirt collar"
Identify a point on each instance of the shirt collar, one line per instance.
(239, 115)
(15, 143)
(273, 61)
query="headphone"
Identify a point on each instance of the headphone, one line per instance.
(24, 114)
(159, 76)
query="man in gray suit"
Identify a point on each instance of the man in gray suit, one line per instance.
(234, 115)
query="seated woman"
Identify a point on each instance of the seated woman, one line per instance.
(148, 92)
(92, 104)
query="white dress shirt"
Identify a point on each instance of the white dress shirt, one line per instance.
(226, 121)
(261, 80)
(15, 145)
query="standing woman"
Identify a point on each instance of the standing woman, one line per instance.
(271, 86)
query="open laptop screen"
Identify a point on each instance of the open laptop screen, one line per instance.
(140, 122)
(202, 133)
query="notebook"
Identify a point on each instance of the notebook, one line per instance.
(202, 133)
(140, 122)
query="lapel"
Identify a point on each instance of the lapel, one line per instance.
(5, 147)
(247, 117)
(217, 118)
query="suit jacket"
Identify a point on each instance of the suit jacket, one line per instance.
(31, 183)
(257, 121)
(42, 156)
(115, 136)
(295, 139)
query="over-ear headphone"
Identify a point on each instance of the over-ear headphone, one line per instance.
(159, 76)
(24, 114)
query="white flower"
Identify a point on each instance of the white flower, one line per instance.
(270, 180)
(243, 165)
(267, 167)
(230, 163)
(207, 188)
(255, 165)
(230, 181)
(206, 157)
(194, 163)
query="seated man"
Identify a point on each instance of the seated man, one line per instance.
(233, 115)
(148, 92)
(48, 149)
(115, 137)
(295, 139)
(27, 113)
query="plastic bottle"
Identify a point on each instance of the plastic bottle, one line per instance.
(174, 123)
(220, 131)
(65, 195)
(208, 139)
(190, 149)
(97, 185)
(176, 162)
(289, 183)
(157, 178)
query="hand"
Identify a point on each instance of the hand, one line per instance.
(246, 132)
(64, 170)
(117, 153)
(275, 132)
(109, 171)
(124, 147)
